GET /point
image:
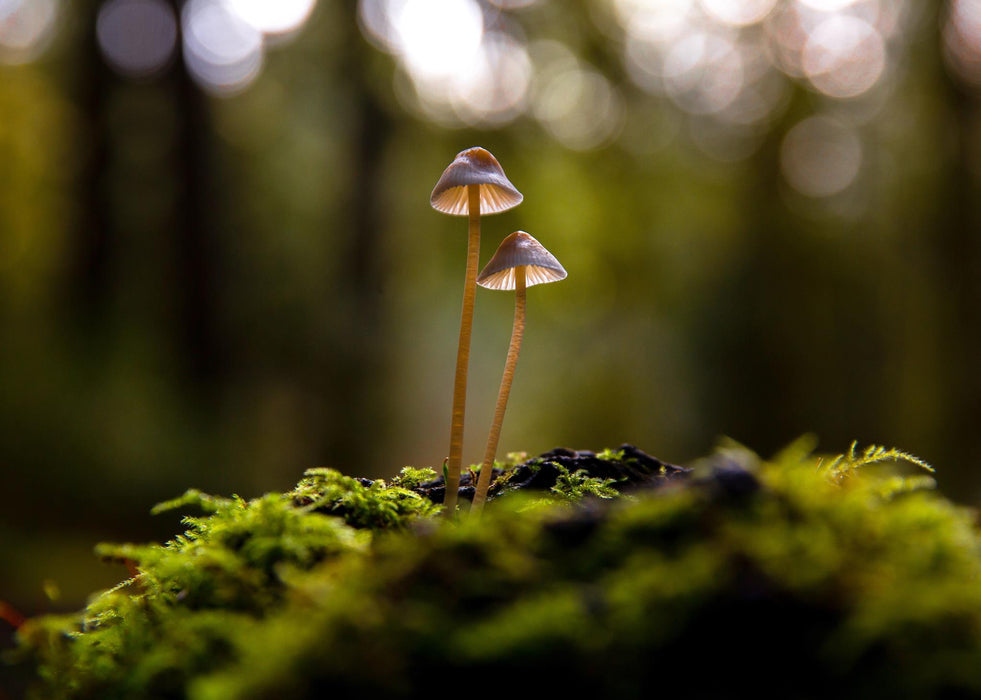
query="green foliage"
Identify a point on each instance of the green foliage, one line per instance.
(362, 503)
(230, 558)
(176, 616)
(610, 455)
(864, 586)
(410, 477)
(579, 485)
(192, 596)
(846, 464)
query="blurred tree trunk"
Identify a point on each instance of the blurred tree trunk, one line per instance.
(196, 234)
(96, 248)
(752, 389)
(958, 247)
(90, 256)
(359, 359)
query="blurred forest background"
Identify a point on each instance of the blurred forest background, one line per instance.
(219, 266)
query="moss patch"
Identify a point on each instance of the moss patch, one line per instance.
(789, 577)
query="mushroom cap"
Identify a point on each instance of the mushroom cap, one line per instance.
(474, 166)
(520, 250)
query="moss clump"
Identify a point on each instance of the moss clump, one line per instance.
(781, 578)
(193, 596)
(363, 503)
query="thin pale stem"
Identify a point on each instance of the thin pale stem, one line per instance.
(455, 460)
(517, 333)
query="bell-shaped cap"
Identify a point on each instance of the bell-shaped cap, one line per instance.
(474, 166)
(520, 250)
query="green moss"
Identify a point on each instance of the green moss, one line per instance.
(363, 503)
(410, 477)
(782, 577)
(579, 485)
(611, 455)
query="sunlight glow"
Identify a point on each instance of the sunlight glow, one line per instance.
(739, 13)
(727, 63)
(452, 70)
(273, 16)
(828, 5)
(512, 4)
(439, 39)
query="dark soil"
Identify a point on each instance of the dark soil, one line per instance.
(635, 470)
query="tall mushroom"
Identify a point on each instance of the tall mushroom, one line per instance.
(520, 262)
(473, 184)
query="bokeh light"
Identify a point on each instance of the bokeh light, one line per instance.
(654, 20)
(703, 72)
(224, 41)
(513, 4)
(844, 56)
(137, 38)
(222, 51)
(731, 60)
(375, 21)
(279, 17)
(497, 84)
(453, 68)
(739, 13)
(828, 5)
(575, 103)
(439, 39)
(787, 30)
(734, 60)
(962, 40)
(26, 29)
(820, 157)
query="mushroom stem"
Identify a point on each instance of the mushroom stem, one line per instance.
(517, 333)
(455, 461)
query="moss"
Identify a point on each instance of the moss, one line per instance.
(363, 503)
(579, 485)
(781, 577)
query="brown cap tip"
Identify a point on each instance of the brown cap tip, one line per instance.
(520, 250)
(474, 166)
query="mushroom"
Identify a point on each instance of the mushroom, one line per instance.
(473, 184)
(520, 262)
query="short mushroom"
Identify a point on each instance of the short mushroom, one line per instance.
(473, 184)
(520, 262)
